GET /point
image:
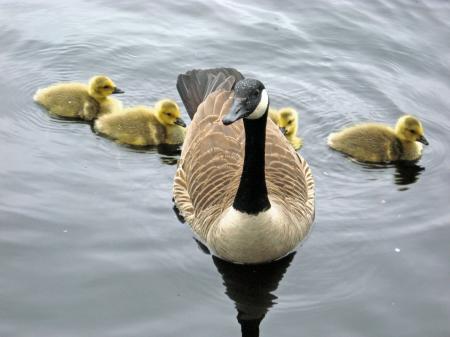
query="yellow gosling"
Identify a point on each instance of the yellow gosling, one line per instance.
(78, 100)
(142, 125)
(175, 134)
(371, 142)
(287, 121)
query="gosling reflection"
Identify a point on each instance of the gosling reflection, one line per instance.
(169, 153)
(251, 288)
(407, 173)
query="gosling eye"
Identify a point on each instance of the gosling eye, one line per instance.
(290, 122)
(169, 114)
(412, 131)
(106, 87)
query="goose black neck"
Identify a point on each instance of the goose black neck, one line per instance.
(251, 196)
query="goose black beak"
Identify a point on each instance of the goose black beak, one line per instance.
(283, 131)
(180, 122)
(423, 140)
(237, 111)
(118, 91)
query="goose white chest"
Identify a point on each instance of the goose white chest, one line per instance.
(250, 238)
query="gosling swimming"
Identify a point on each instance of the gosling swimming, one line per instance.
(78, 100)
(371, 142)
(287, 121)
(142, 125)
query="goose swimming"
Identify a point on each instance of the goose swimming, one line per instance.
(244, 190)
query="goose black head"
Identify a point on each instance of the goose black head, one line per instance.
(250, 101)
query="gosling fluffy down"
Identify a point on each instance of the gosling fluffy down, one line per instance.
(287, 121)
(78, 100)
(378, 143)
(142, 125)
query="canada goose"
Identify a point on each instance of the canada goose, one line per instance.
(287, 121)
(78, 100)
(373, 142)
(142, 125)
(240, 185)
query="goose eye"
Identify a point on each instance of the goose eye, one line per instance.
(255, 93)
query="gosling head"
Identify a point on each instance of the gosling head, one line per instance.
(103, 86)
(287, 121)
(410, 129)
(250, 101)
(168, 113)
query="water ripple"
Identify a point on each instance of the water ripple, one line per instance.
(91, 222)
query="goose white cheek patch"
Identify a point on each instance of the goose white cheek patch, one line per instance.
(262, 106)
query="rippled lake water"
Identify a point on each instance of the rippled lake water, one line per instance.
(89, 243)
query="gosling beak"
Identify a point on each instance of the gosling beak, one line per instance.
(118, 91)
(237, 111)
(283, 131)
(180, 122)
(423, 140)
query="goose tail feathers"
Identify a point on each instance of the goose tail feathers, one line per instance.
(195, 85)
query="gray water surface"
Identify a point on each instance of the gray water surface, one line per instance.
(89, 243)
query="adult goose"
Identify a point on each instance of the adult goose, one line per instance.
(240, 185)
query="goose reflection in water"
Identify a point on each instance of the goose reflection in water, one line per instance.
(251, 288)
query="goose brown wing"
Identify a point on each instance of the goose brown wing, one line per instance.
(288, 177)
(210, 165)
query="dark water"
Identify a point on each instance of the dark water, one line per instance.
(89, 244)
